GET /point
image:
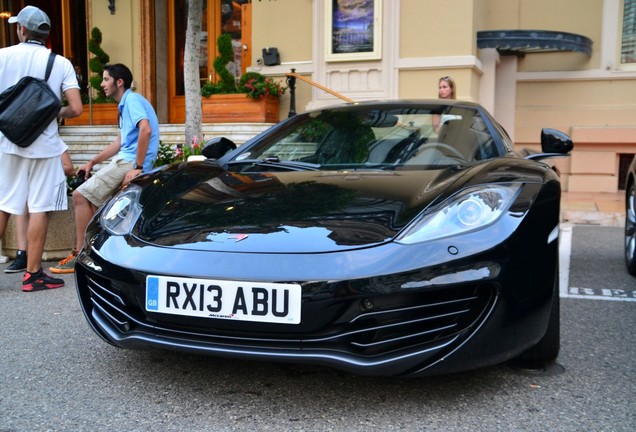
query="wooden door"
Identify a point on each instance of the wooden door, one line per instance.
(246, 36)
(219, 16)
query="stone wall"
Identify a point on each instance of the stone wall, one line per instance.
(60, 239)
(85, 142)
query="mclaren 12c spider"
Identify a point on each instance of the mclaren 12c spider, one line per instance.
(381, 238)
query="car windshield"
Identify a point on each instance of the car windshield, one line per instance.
(364, 138)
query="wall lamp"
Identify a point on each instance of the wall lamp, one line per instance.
(111, 6)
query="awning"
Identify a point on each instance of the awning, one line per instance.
(521, 42)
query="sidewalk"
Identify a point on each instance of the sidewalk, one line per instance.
(607, 209)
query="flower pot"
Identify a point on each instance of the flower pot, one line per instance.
(231, 108)
(102, 114)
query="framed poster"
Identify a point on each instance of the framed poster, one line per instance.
(353, 30)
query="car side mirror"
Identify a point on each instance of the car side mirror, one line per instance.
(555, 141)
(217, 147)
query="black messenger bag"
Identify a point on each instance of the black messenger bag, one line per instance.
(28, 107)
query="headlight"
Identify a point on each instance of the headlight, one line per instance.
(464, 212)
(121, 212)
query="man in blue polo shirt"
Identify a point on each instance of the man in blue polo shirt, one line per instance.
(133, 151)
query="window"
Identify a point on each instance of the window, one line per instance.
(628, 40)
(624, 161)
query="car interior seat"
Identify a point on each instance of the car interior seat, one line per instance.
(469, 136)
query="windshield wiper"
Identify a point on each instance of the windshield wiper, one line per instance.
(274, 161)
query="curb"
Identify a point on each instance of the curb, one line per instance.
(615, 219)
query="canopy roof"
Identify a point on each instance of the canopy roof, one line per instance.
(521, 42)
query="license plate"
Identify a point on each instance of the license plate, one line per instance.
(221, 299)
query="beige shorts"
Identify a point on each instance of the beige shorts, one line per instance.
(101, 185)
(38, 183)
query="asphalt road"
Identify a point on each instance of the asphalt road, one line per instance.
(56, 375)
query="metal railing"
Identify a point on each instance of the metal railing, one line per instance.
(291, 83)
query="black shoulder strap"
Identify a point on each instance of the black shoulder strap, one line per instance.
(49, 65)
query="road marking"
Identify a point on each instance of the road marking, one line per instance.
(601, 294)
(566, 291)
(565, 250)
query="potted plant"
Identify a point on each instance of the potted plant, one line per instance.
(96, 64)
(254, 99)
(168, 153)
(99, 110)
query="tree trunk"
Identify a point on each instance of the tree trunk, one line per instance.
(191, 72)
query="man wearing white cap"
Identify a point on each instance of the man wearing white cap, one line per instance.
(33, 176)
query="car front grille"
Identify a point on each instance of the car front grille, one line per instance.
(382, 325)
(427, 319)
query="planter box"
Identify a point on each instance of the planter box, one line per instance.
(235, 108)
(231, 108)
(60, 238)
(103, 114)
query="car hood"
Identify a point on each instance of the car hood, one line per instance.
(205, 207)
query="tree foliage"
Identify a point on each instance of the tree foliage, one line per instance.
(227, 83)
(97, 62)
(253, 84)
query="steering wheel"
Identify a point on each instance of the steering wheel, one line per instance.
(447, 149)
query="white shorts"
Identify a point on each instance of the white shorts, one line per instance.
(39, 184)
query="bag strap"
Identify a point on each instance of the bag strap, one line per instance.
(49, 65)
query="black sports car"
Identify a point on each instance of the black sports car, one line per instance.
(630, 219)
(388, 238)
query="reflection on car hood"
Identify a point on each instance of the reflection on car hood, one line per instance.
(283, 212)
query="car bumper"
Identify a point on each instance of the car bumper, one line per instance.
(481, 309)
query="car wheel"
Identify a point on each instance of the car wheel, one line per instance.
(630, 230)
(547, 349)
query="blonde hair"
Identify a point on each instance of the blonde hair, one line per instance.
(451, 84)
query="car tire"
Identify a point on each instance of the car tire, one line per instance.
(547, 349)
(630, 229)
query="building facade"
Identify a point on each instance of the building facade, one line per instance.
(589, 95)
(566, 64)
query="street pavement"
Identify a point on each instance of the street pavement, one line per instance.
(587, 208)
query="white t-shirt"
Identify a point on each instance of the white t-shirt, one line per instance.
(25, 59)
